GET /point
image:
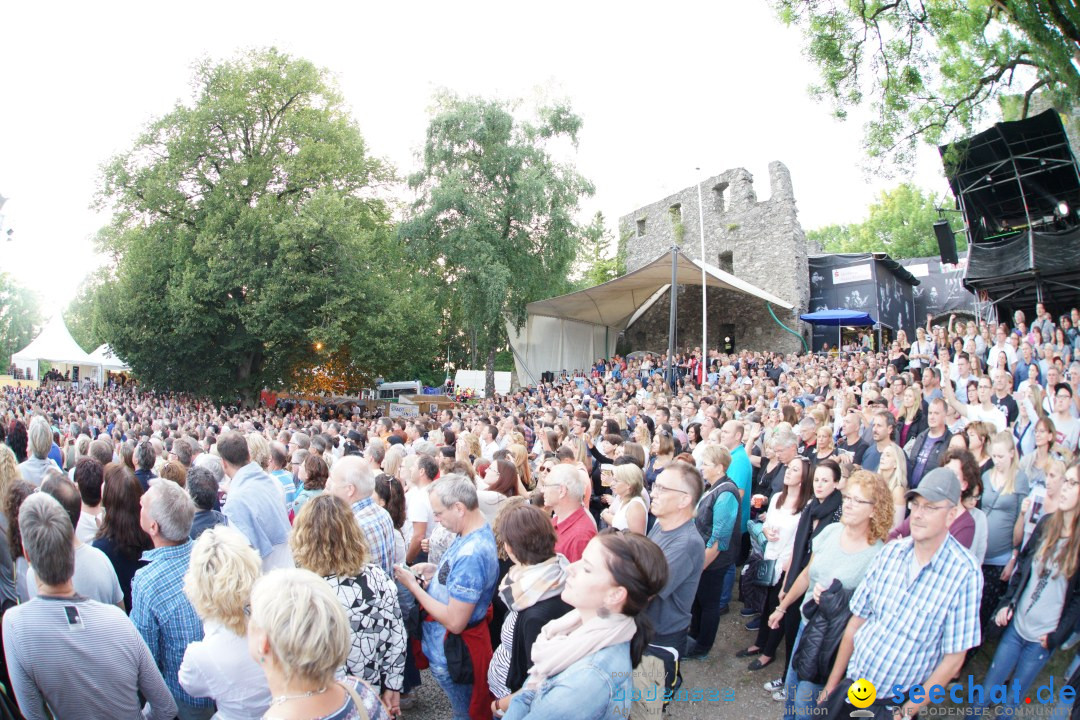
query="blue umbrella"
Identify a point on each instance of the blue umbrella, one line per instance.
(839, 318)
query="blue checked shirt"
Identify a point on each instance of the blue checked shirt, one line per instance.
(914, 616)
(378, 530)
(164, 616)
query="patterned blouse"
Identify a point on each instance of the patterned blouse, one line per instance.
(377, 653)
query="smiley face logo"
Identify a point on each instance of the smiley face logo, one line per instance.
(862, 693)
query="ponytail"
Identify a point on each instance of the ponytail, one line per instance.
(641, 638)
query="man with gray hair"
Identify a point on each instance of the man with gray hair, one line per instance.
(457, 593)
(564, 493)
(94, 575)
(67, 653)
(159, 608)
(253, 505)
(38, 443)
(351, 480)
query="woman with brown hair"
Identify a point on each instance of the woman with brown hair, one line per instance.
(173, 470)
(18, 491)
(327, 541)
(121, 537)
(583, 662)
(502, 484)
(9, 475)
(312, 474)
(1042, 603)
(531, 592)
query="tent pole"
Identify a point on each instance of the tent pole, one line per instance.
(671, 315)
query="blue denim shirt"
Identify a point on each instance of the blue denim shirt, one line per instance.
(597, 686)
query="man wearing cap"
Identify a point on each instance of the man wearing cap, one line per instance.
(916, 613)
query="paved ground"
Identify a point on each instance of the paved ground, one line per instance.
(729, 677)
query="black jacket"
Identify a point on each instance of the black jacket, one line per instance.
(822, 633)
(918, 424)
(935, 456)
(826, 513)
(526, 630)
(1070, 612)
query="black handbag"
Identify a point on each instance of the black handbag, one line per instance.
(765, 573)
(458, 659)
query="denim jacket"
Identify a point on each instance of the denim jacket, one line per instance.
(595, 687)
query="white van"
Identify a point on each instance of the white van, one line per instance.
(393, 390)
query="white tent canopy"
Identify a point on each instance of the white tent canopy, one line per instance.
(571, 331)
(107, 359)
(53, 345)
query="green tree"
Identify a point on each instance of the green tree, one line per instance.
(20, 319)
(595, 260)
(249, 239)
(494, 214)
(932, 69)
(900, 223)
(84, 315)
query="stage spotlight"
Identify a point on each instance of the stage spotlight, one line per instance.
(1063, 209)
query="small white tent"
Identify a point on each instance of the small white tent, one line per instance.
(107, 360)
(571, 331)
(54, 345)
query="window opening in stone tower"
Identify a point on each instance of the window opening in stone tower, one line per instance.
(641, 227)
(720, 196)
(727, 262)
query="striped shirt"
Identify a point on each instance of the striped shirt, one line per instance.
(83, 659)
(914, 615)
(378, 530)
(164, 615)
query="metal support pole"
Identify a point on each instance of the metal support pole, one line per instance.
(671, 317)
(704, 287)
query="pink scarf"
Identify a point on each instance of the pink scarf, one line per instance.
(566, 640)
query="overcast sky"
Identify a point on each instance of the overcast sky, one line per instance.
(662, 89)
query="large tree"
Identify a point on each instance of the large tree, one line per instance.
(20, 318)
(900, 223)
(249, 240)
(494, 217)
(933, 69)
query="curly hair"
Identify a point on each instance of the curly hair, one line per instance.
(326, 538)
(220, 576)
(877, 491)
(9, 472)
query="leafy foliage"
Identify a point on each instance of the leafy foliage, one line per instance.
(595, 260)
(84, 315)
(900, 223)
(933, 68)
(247, 228)
(493, 221)
(20, 319)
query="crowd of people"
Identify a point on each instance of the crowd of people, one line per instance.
(561, 551)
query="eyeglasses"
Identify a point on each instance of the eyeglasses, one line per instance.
(916, 507)
(849, 499)
(658, 489)
(544, 469)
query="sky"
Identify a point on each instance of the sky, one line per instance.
(662, 89)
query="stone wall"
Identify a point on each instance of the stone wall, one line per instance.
(760, 241)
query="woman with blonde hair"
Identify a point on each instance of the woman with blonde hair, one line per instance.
(642, 436)
(9, 476)
(628, 510)
(223, 569)
(841, 551)
(327, 541)
(391, 464)
(893, 470)
(1004, 488)
(662, 453)
(300, 635)
(912, 418)
(521, 460)
(258, 449)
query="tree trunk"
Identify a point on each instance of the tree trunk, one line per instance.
(489, 374)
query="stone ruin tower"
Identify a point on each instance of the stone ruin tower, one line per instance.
(759, 241)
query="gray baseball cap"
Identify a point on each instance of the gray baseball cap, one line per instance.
(938, 484)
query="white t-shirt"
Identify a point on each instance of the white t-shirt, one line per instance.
(418, 509)
(994, 416)
(1066, 433)
(88, 527)
(94, 577)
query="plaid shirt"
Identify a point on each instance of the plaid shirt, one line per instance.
(912, 623)
(164, 616)
(378, 530)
